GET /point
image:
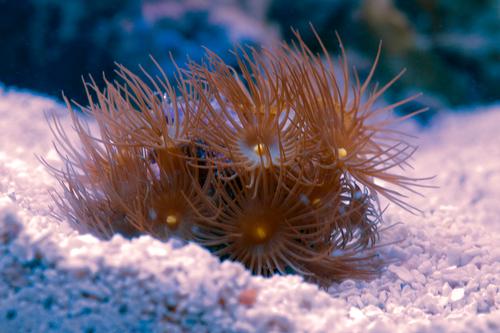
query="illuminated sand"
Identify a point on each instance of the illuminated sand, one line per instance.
(448, 278)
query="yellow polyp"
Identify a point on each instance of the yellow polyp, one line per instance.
(342, 152)
(259, 148)
(316, 201)
(171, 220)
(273, 110)
(261, 233)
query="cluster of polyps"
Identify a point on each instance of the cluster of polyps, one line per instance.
(273, 164)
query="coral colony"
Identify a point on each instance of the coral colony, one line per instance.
(276, 164)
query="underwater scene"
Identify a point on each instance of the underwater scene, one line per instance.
(249, 166)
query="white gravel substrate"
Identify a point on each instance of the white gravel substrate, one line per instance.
(446, 278)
